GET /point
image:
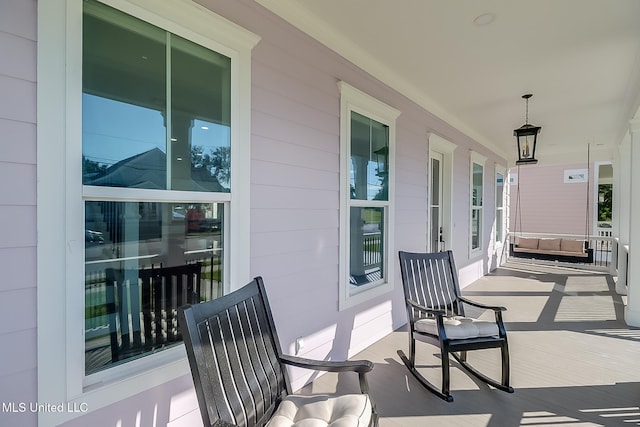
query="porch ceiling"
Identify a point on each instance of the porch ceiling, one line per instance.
(580, 59)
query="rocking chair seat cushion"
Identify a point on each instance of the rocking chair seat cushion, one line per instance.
(459, 327)
(350, 410)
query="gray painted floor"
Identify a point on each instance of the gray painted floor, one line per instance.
(574, 361)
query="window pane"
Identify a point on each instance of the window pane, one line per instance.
(475, 228)
(126, 108)
(200, 118)
(499, 190)
(142, 261)
(477, 185)
(366, 245)
(499, 206)
(123, 101)
(435, 229)
(369, 159)
(435, 181)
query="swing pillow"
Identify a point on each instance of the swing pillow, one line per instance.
(572, 246)
(549, 244)
(527, 243)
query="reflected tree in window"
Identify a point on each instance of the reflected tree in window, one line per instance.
(217, 162)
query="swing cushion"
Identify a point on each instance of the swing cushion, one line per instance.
(549, 244)
(572, 245)
(527, 243)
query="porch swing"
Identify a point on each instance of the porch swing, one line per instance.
(551, 249)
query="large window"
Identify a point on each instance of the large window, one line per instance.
(477, 203)
(155, 117)
(144, 117)
(367, 141)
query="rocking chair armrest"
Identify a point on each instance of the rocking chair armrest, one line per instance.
(433, 311)
(480, 305)
(360, 366)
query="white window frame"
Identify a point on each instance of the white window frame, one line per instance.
(502, 171)
(60, 334)
(352, 99)
(478, 159)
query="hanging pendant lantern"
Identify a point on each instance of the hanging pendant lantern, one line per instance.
(527, 136)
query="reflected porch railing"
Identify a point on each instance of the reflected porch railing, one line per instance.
(371, 251)
(114, 307)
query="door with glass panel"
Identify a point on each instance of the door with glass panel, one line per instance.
(436, 229)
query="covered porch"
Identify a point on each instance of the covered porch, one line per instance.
(572, 358)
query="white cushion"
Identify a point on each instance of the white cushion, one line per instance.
(349, 410)
(459, 327)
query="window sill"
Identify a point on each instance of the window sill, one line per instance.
(364, 294)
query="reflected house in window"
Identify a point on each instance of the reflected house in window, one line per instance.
(149, 170)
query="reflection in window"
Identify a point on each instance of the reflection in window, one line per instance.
(152, 119)
(475, 228)
(435, 205)
(369, 173)
(367, 245)
(499, 207)
(476, 205)
(477, 185)
(142, 261)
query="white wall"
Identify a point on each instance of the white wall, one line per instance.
(18, 207)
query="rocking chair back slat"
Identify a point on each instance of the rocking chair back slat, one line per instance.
(443, 290)
(237, 347)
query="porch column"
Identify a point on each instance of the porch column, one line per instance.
(622, 196)
(632, 312)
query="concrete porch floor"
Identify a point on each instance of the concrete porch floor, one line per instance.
(574, 361)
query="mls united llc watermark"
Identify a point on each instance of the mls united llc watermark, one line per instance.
(23, 407)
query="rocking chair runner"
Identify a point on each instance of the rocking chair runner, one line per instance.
(240, 374)
(435, 310)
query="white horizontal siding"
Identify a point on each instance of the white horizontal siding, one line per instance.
(18, 313)
(19, 385)
(20, 147)
(19, 99)
(22, 52)
(13, 262)
(18, 18)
